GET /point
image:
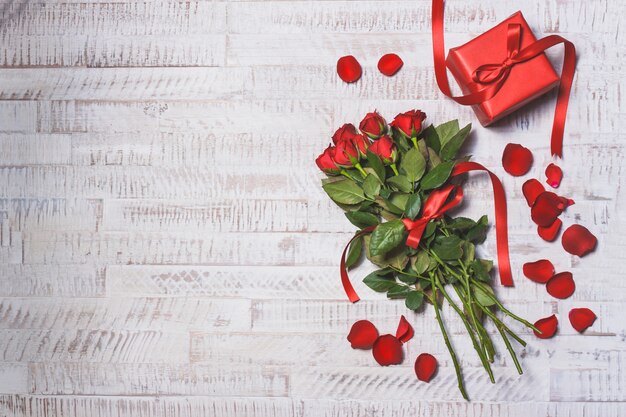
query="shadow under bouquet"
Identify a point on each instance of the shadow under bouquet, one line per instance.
(397, 183)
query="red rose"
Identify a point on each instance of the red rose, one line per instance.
(385, 149)
(325, 161)
(373, 125)
(345, 132)
(345, 154)
(361, 143)
(409, 123)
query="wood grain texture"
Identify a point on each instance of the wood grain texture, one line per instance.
(166, 248)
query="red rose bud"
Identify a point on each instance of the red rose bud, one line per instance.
(540, 271)
(345, 154)
(325, 162)
(388, 350)
(345, 132)
(554, 175)
(516, 159)
(531, 190)
(425, 367)
(361, 143)
(389, 64)
(404, 333)
(373, 125)
(362, 335)
(550, 233)
(561, 285)
(581, 318)
(547, 207)
(578, 240)
(348, 69)
(547, 326)
(409, 123)
(385, 149)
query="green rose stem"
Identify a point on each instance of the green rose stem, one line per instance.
(499, 322)
(360, 168)
(346, 174)
(395, 170)
(414, 140)
(510, 349)
(509, 313)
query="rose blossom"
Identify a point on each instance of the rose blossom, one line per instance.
(325, 161)
(409, 123)
(345, 132)
(373, 125)
(345, 154)
(385, 149)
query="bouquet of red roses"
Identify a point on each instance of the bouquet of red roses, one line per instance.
(396, 183)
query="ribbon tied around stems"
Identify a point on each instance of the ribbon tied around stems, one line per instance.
(437, 203)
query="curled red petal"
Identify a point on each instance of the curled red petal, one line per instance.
(550, 233)
(425, 367)
(554, 175)
(578, 240)
(404, 333)
(547, 207)
(389, 64)
(581, 318)
(349, 69)
(388, 350)
(547, 326)
(561, 285)
(531, 190)
(516, 159)
(539, 271)
(362, 335)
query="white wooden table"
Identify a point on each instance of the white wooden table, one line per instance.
(165, 246)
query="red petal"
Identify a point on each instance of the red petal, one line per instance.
(404, 333)
(425, 367)
(561, 285)
(531, 190)
(362, 335)
(581, 318)
(390, 64)
(547, 207)
(578, 240)
(554, 175)
(349, 68)
(540, 271)
(516, 159)
(549, 233)
(547, 326)
(388, 350)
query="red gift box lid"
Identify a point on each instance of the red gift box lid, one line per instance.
(526, 81)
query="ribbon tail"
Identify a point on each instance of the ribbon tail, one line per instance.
(415, 235)
(345, 279)
(502, 232)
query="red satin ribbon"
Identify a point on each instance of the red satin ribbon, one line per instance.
(494, 75)
(434, 207)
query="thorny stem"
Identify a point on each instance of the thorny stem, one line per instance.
(509, 313)
(510, 349)
(499, 322)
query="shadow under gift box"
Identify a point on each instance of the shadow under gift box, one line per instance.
(526, 81)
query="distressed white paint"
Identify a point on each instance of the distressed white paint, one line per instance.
(165, 247)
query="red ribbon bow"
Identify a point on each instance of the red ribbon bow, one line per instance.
(434, 207)
(494, 75)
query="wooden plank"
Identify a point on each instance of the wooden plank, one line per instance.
(52, 214)
(18, 149)
(13, 378)
(49, 281)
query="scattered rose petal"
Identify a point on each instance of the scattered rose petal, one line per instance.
(561, 285)
(554, 175)
(531, 190)
(362, 335)
(547, 207)
(566, 202)
(425, 367)
(388, 350)
(389, 64)
(404, 333)
(516, 159)
(349, 69)
(578, 240)
(547, 326)
(550, 233)
(581, 318)
(540, 271)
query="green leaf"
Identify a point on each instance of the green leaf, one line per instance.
(386, 237)
(371, 185)
(354, 253)
(481, 295)
(414, 300)
(407, 279)
(361, 219)
(437, 176)
(387, 205)
(398, 291)
(413, 206)
(461, 224)
(401, 183)
(379, 282)
(413, 164)
(377, 165)
(432, 138)
(433, 158)
(469, 251)
(451, 148)
(448, 248)
(344, 192)
(481, 272)
(446, 131)
(478, 233)
(399, 200)
(422, 261)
